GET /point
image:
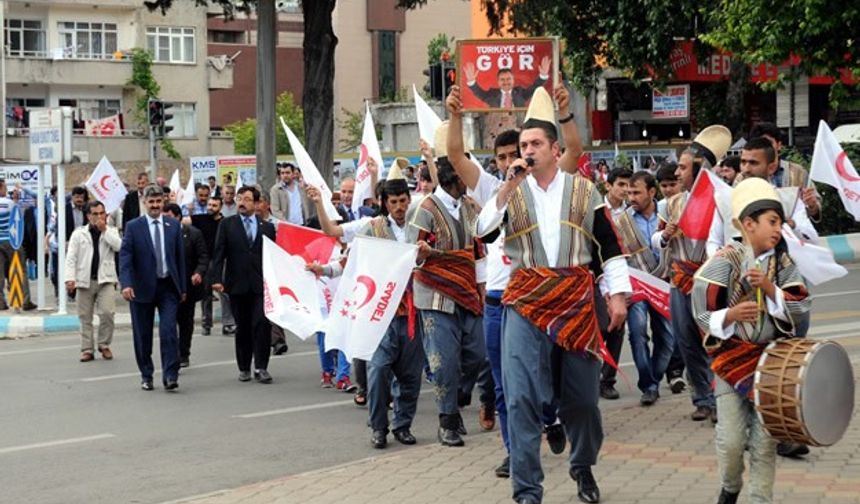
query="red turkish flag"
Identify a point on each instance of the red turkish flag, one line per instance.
(698, 214)
(647, 287)
(310, 244)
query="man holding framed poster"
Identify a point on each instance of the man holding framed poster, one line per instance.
(498, 74)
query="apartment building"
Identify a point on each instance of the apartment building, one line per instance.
(76, 53)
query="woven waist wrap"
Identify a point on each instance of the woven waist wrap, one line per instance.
(452, 273)
(682, 275)
(735, 361)
(560, 302)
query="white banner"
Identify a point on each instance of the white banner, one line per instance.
(369, 149)
(290, 294)
(428, 121)
(106, 186)
(310, 173)
(373, 282)
(108, 126)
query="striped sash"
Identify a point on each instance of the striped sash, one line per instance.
(452, 273)
(683, 273)
(559, 301)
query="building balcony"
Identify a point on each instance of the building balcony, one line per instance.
(84, 72)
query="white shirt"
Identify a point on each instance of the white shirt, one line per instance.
(615, 211)
(351, 228)
(399, 232)
(450, 204)
(615, 279)
(775, 307)
(162, 223)
(802, 226)
(498, 266)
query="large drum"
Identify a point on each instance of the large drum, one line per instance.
(804, 391)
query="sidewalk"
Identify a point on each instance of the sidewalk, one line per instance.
(650, 455)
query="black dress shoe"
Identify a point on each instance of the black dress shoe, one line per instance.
(556, 438)
(171, 385)
(262, 376)
(229, 329)
(461, 427)
(701, 413)
(609, 392)
(403, 436)
(207, 331)
(244, 376)
(504, 469)
(146, 385)
(727, 497)
(379, 439)
(586, 487)
(184, 363)
(527, 501)
(791, 450)
(448, 437)
(279, 348)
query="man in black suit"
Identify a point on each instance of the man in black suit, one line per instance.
(132, 207)
(76, 211)
(152, 275)
(239, 247)
(506, 95)
(196, 265)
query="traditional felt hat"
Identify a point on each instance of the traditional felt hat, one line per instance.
(396, 171)
(752, 195)
(712, 143)
(541, 112)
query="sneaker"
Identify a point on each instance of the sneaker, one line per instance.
(649, 397)
(327, 380)
(609, 392)
(701, 413)
(345, 385)
(791, 450)
(677, 384)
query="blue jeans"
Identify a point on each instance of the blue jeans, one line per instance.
(651, 364)
(401, 357)
(332, 358)
(454, 344)
(695, 358)
(493, 337)
(536, 372)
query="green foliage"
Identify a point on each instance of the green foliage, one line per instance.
(352, 126)
(834, 218)
(245, 132)
(142, 78)
(439, 45)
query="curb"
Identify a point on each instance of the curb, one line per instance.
(845, 248)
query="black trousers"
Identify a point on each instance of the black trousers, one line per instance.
(613, 339)
(185, 320)
(360, 368)
(253, 331)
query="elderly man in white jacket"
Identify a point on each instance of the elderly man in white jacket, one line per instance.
(91, 271)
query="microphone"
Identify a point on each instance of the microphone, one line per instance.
(530, 162)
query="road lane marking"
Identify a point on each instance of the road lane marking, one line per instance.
(195, 366)
(834, 294)
(37, 350)
(833, 315)
(307, 407)
(59, 442)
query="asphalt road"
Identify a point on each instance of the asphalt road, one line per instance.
(73, 432)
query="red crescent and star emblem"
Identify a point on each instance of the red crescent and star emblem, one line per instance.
(286, 291)
(363, 155)
(842, 171)
(350, 306)
(103, 182)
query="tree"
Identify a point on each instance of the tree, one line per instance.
(245, 132)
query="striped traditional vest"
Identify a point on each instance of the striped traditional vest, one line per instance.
(522, 234)
(637, 247)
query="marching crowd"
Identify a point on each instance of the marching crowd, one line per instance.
(521, 288)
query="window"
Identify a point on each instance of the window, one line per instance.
(184, 120)
(387, 65)
(24, 38)
(88, 40)
(226, 37)
(18, 111)
(171, 45)
(91, 108)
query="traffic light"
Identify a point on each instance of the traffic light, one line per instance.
(167, 116)
(441, 76)
(156, 113)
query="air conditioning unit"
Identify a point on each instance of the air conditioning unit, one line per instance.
(81, 156)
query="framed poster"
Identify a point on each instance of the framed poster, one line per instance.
(671, 103)
(502, 74)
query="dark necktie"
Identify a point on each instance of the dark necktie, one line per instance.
(249, 232)
(159, 260)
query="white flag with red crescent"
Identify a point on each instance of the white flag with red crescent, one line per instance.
(647, 287)
(830, 165)
(373, 282)
(106, 185)
(369, 149)
(428, 120)
(816, 264)
(290, 294)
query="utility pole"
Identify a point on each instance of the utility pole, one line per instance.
(3, 77)
(267, 30)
